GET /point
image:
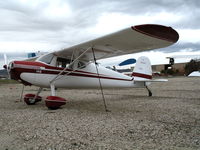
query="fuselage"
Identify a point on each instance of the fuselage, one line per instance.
(41, 74)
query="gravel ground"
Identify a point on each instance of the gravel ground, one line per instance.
(170, 119)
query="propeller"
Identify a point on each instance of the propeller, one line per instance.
(6, 65)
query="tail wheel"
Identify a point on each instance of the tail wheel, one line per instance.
(30, 99)
(54, 102)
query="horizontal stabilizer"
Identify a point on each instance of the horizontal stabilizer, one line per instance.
(152, 80)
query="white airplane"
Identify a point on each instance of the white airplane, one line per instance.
(77, 67)
(194, 74)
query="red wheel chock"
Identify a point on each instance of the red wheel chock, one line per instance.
(54, 102)
(29, 99)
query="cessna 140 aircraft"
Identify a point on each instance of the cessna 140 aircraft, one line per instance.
(76, 66)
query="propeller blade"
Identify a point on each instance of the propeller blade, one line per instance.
(7, 67)
(5, 59)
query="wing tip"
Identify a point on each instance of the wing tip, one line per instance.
(158, 31)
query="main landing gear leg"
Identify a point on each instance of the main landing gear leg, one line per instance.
(53, 101)
(53, 92)
(149, 91)
(39, 91)
(31, 99)
(22, 92)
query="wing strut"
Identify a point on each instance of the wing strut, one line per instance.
(56, 78)
(52, 82)
(96, 64)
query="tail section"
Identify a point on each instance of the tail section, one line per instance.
(142, 70)
(142, 74)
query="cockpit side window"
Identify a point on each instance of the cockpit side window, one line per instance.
(62, 62)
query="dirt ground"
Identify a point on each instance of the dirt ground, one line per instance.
(170, 119)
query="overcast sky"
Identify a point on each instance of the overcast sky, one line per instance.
(47, 25)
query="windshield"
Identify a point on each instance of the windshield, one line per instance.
(46, 58)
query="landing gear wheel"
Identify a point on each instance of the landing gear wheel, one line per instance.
(30, 99)
(54, 102)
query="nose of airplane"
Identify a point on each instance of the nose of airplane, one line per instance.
(8, 69)
(15, 69)
(11, 71)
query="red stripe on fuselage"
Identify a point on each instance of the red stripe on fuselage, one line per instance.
(135, 74)
(40, 64)
(35, 68)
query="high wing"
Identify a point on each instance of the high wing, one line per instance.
(131, 40)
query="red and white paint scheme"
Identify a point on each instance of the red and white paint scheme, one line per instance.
(76, 66)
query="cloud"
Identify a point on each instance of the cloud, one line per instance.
(55, 24)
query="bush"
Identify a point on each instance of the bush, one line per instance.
(193, 65)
